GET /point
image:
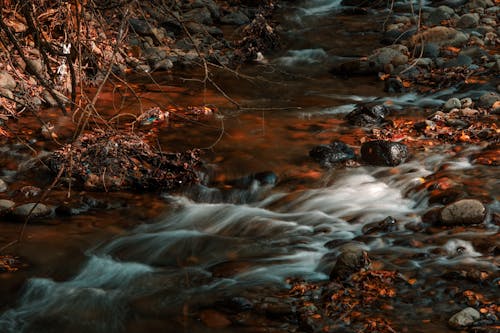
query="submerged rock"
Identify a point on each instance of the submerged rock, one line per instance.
(465, 211)
(368, 114)
(333, 153)
(381, 152)
(466, 317)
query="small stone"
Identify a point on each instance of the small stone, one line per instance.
(7, 81)
(467, 21)
(451, 104)
(441, 36)
(466, 317)
(440, 14)
(465, 211)
(381, 152)
(39, 210)
(466, 102)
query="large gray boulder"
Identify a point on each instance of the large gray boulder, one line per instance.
(465, 211)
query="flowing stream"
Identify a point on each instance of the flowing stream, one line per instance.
(148, 269)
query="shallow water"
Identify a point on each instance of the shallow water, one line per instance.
(153, 261)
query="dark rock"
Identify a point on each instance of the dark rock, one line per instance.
(380, 152)
(432, 215)
(487, 100)
(388, 224)
(200, 15)
(465, 211)
(235, 18)
(430, 50)
(368, 114)
(467, 21)
(452, 103)
(72, 209)
(235, 305)
(440, 14)
(393, 84)
(351, 259)
(333, 153)
(459, 61)
(212, 7)
(141, 27)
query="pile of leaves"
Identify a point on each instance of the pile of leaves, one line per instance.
(116, 161)
(348, 303)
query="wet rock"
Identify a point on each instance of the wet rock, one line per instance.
(488, 100)
(3, 186)
(235, 18)
(7, 81)
(381, 152)
(440, 14)
(464, 318)
(467, 21)
(368, 114)
(441, 36)
(39, 210)
(465, 211)
(6, 206)
(72, 209)
(452, 103)
(261, 178)
(214, 319)
(352, 259)
(475, 4)
(388, 224)
(331, 154)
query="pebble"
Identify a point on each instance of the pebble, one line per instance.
(487, 100)
(351, 259)
(466, 317)
(465, 211)
(452, 103)
(467, 21)
(40, 210)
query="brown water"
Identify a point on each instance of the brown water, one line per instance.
(150, 262)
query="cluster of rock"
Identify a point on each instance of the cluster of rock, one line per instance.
(462, 38)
